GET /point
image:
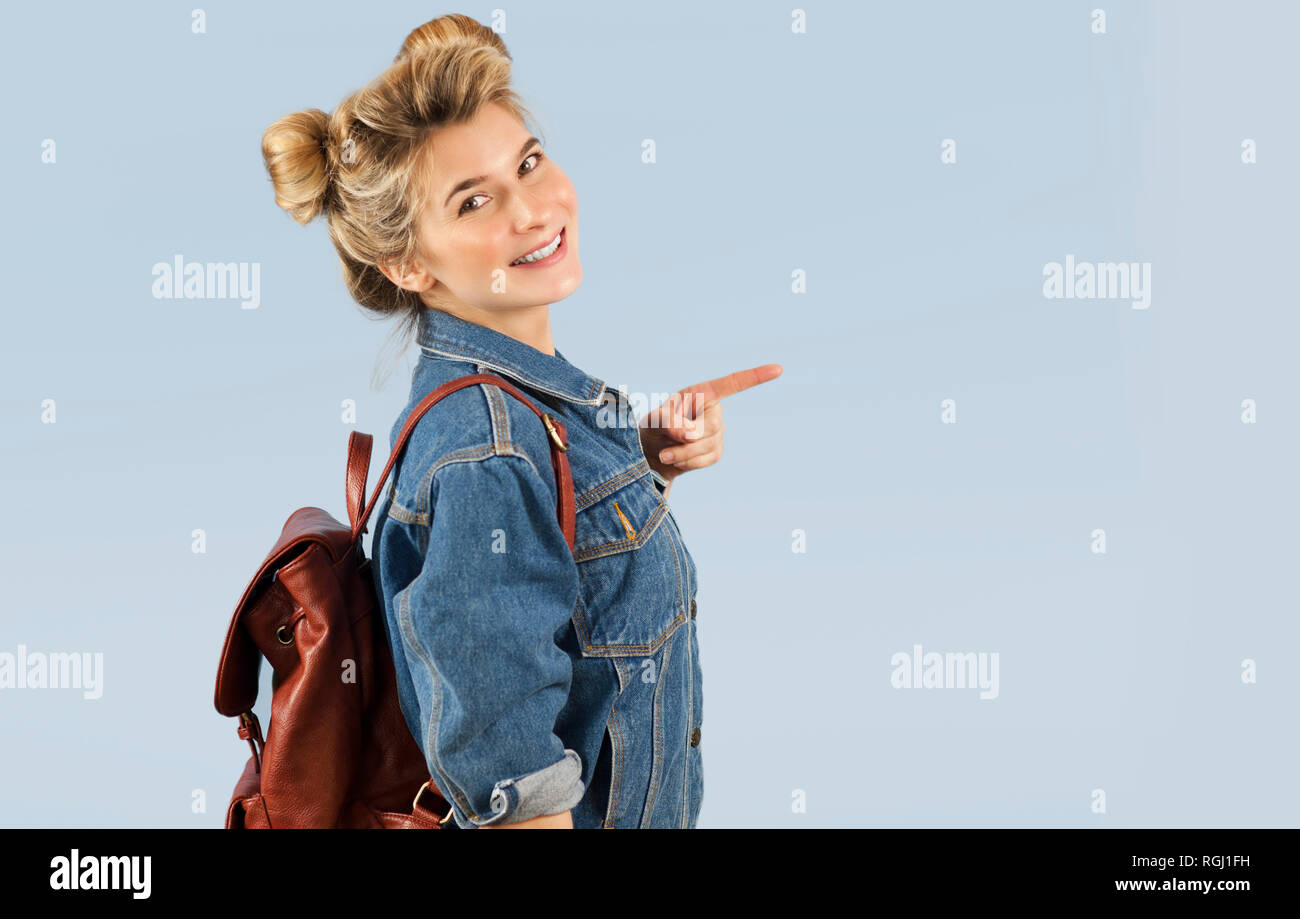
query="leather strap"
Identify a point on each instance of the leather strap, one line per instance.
(359, 448)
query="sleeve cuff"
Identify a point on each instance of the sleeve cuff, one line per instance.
(551, 790)
(660, 482)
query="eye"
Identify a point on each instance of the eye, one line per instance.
(540, 156)
(467, 201)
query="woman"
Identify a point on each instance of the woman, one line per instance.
(547, 688)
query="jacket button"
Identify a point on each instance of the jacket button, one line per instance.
(692, 607)
(695, 737)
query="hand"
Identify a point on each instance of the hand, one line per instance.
(685, 431)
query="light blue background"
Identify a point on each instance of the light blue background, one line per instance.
(776, 151)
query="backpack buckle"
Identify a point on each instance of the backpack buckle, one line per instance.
(416, 801)
(555, 435)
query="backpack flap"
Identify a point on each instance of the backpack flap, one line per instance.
(266, 599)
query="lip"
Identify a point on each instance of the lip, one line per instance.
(560, 251)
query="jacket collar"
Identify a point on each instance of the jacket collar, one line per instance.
(444, 336)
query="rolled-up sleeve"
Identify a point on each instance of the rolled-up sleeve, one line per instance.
(480, 625)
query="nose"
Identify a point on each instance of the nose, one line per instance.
(533, 209)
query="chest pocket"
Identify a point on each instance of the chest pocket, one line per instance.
(631, 569)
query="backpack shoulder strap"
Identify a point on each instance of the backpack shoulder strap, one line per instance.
(359, 449)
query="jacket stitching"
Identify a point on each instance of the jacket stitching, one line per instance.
(506, 446)
(500, 417)
(446, 350)
(616, 766)
(580, 623)
(630, 650)
(435, 707)
(622, 545)
(677, 563)
(657, 751)
(402, 514)
(609, 486)
(579, 620)
(691, 726)
(463, 455)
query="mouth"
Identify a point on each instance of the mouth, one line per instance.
(548, 254)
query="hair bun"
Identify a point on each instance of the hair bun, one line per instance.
(448, 30)
(294, 148)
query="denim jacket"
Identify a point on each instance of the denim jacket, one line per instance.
(535, 679)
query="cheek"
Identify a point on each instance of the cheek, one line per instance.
(469, 253)
(463, 261)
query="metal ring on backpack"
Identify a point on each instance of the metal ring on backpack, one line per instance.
(281, 637)
(555, 435)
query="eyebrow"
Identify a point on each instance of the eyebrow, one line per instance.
(470, 183)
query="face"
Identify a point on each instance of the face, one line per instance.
(491, 197)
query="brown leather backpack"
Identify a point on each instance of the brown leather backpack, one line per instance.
(337, 751)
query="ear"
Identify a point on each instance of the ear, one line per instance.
(409, 276)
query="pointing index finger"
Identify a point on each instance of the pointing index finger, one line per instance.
(733, 383)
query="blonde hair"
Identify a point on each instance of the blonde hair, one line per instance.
(362, 166)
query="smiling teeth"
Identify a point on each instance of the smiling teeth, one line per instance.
(540, 253)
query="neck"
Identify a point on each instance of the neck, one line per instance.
(528, 324)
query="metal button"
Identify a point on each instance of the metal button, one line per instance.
(692, 607)
(695, 737)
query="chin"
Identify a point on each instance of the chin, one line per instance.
(569, 284)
